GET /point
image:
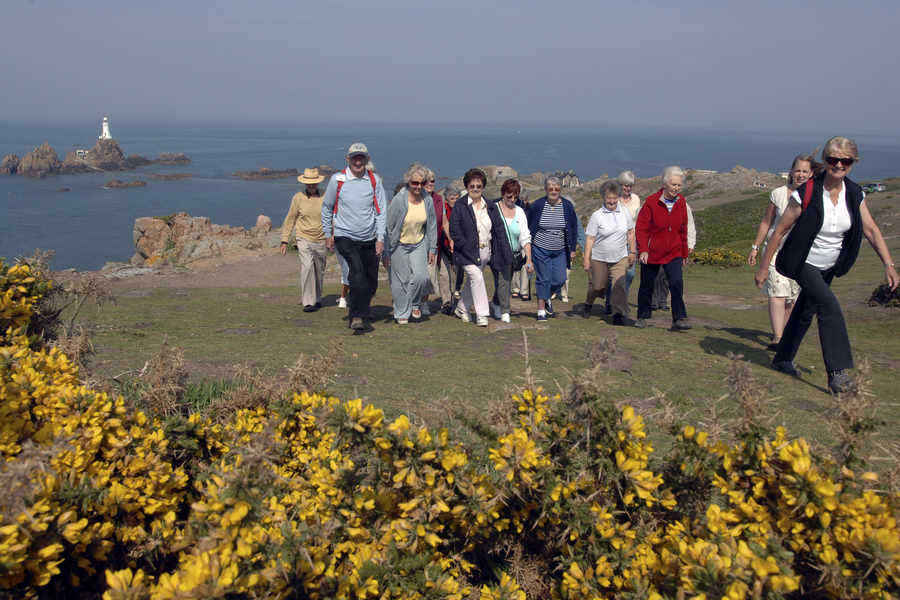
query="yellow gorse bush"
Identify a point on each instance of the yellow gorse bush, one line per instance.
(318, 498)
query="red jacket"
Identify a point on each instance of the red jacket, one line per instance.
(661, 233)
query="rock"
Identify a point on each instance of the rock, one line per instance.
(134, 161)
(171, 176)
(9, 165)
(106, 155)
(40, 162)
(266, 173)
(263, 225)
(181, 238)
(117, 184)
(64, 189)
(173, 158)
(75, 164)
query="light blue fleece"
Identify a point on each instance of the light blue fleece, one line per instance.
(356, 217)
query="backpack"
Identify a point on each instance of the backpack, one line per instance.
(340, 184)
(807, 194)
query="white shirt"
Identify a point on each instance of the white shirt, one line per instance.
(609, 228)
(779, 198)
(482, 222)
(827, 246)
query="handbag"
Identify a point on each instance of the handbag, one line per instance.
(518, 260)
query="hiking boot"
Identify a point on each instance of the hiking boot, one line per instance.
(681, 324)
(586, 310)
(641, 323)
(356, 323)
(838, 381)
(786, 366)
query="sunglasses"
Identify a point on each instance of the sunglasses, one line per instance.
(835, 161)
(475, 186)
(416, 182)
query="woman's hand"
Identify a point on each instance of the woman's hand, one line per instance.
(431, 258)
(631, 257)
(761, 276)
(283, 248)
(644, 257)
(587, 263)
(892, 277)
(529, 266)
(751, 258)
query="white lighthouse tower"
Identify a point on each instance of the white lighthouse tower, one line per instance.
(104, 131)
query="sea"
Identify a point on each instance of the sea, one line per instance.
(87, 226)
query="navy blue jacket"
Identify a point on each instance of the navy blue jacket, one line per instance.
(792, 255)
(571, 233)
(464, 232)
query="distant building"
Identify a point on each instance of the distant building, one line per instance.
(81, 153)
(104, 130)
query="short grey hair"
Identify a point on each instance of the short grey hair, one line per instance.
(670, 172)
(625, 178)
(552, 179)
(610, 187)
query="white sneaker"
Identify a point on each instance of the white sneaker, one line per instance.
(482, 322)
(426, 311)
(342, 302)
(495, 310)
(565, 299)
(505, 317)
(462, 314)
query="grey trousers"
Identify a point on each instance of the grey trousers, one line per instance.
(439, 273)
(409, 277)
(502, 287)
(312, 270)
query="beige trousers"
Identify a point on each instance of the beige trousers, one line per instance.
(312, 270)
(601, 273)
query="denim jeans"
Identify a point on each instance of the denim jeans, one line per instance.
(549, 271)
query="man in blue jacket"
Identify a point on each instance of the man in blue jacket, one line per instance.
(353, 212)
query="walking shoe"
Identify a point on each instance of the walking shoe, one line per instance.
(618, 320)
(549, 307)
(342, 302)
(542, 315)
(447, 309)
(309, 308)
(356, 323)
(416, 313)
(505, 317)
(586, 310)
(785, 366)
(681, 324)
(462, 314)
(565, 299)
(425, 309)
(481, 321)
(402, 321)
(641, 323)
(838, 381)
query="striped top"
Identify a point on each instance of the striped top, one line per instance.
(551, 234)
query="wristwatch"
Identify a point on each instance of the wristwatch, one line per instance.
(754, 247)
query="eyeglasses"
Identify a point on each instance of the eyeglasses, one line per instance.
(416, 183)
(429, 181)
(475, 186)
(835, 161)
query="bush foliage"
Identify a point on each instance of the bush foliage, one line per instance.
(313, 497)
(720, 257)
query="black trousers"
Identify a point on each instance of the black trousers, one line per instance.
(817, 299)
(676, 287)
(363, 263)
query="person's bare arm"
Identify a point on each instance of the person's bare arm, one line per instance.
(873, 234)
(761, 232)
(790, 216)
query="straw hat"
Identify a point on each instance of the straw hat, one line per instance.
(311, 176)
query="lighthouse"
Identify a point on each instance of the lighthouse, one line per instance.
(104, 131)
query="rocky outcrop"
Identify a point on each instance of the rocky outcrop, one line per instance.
(118, 184)
(266, 173)
(181, 239)
(40, 162)
(170, 176)
(9, 165)
(173, 158)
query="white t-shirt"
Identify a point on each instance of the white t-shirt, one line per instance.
(827, 246)
(609, 228)
(780, 198)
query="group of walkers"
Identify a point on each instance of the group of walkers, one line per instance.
(434, 244)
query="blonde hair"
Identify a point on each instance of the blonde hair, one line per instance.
(840, 144)
(429, 174)
(415, 169)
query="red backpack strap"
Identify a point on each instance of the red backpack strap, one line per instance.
(374, 195)
(337, 193)
(807, 194)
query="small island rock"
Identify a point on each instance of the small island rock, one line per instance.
(40, 162)
(9, 165)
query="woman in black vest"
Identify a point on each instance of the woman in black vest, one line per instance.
(829, 217)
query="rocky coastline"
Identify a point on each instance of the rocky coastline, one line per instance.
(265, 173)
(118, 184)
(105, 156)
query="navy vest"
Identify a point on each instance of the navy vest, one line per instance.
(793, 254)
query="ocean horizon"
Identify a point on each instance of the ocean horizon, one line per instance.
(88, 226)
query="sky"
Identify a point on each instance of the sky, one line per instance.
(716, 65)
